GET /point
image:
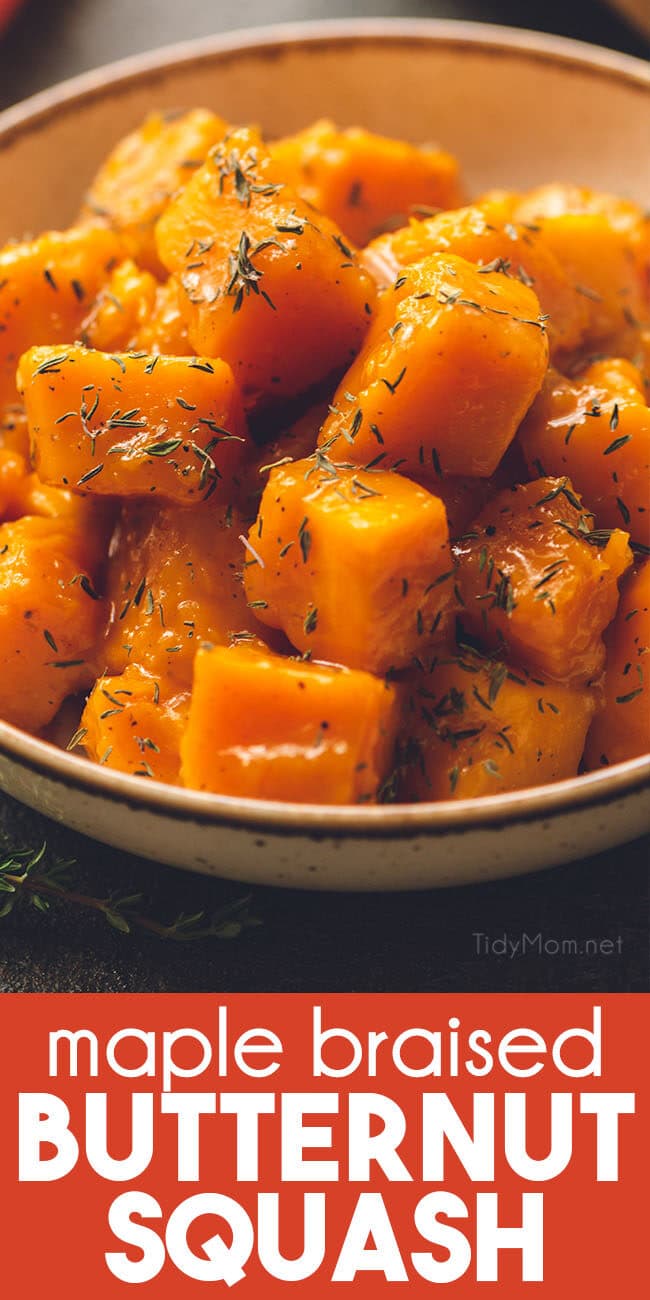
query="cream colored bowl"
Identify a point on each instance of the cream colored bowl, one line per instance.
(518, 109)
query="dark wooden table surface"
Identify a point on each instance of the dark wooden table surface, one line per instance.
(582, 927)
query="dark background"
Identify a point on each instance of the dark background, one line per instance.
(423, 941)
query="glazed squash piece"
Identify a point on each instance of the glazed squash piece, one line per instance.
(122, 308)
(174, 580)
(50, 617)
(483, 235)
(22, 493)
(603, 243)
(132, 424)
(477, 726)
(46, 289)
(363, 181)
(596, 429)
(534, 585)
(622, 729)
(165, 330)
(449, 369)
(265, 727)
(354, 567)
(128, 727)
(269, 285)
(134, 185)
(13, 482)
(14, 434)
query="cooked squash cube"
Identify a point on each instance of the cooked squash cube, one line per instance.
(132, 424)
(134, 185)
(165, 331)
(533, 584)
(50, 617)
(482, 234)
(128, 727)
(13, 478)
(14, 434)
(449, 369)
(622, 729)
(477, 726)
(122, 308)
(354, 567)
(46, 289)
(269, 285)
(596, 429)
(265, 727)
(603, 243)
(174, 580)
(366, 182)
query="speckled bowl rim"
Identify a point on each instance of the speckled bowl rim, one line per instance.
(595, 789)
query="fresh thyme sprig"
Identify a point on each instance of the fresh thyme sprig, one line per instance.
(27, 877)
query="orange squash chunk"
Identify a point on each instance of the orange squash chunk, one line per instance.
(476, 726)
(120, 311)
(482, 235)
(14, 434)
(134, 185)
(533, 585)
(269, 285)
(22, 493)
(265, 727)
(13, 476)
(131, 424)
(354, 567)
(622, 729)
(46, 288)
(449, 369)
(165, 330)
(596, 429)
(126, 726)
(603, 243)
(50, 617)
(174, 580)
(363, 181)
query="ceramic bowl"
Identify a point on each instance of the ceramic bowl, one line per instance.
(517, 108)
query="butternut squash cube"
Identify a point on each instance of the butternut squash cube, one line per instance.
(363, 181)
(46, 289)
(449, 369)
(128, 727)
(165, 330)
(174, 580)
(121, 310)
(603, 243)
(50, 617)
(264, 727)
(132, 424)
(354, 567)
(622, 729)
(482, 234)
(596, 429)
(269, 285)
(477, 726)
(537, 584)
(14, 434)
(135, 183)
